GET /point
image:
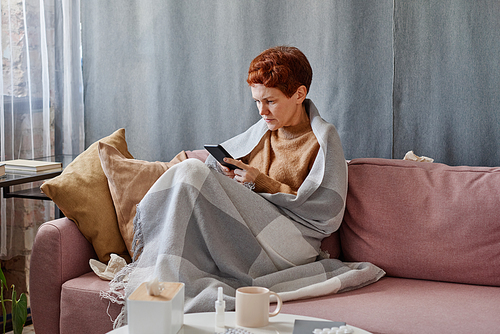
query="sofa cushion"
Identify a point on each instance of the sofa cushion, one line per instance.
(424, 220)
(129, 180)
(399, 305)
(331, 245)
(197, 154)
(82, 308)
(82, 194)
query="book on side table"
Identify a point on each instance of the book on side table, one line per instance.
(31, 166)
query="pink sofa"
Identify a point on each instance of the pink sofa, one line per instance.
(433, 228)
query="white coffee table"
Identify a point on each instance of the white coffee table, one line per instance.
(201, 323)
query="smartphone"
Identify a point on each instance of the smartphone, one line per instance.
(219, 153)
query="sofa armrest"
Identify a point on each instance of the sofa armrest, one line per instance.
(60, 252)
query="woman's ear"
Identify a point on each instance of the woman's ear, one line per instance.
(301, 94)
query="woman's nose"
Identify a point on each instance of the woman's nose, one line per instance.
(263, 110)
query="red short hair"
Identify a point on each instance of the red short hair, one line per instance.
(282, 67)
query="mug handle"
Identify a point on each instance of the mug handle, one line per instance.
(278, 307)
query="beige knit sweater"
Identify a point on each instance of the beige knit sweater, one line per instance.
(284, 158)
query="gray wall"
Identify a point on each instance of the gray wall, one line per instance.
(391, 75)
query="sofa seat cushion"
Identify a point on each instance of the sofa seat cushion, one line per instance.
(83, 310)
(424, 220)
(398, 305)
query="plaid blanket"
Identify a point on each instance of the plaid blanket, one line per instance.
(202, 228)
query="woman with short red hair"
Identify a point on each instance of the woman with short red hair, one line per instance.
(279, 78)
(198, 226)
(283, 67)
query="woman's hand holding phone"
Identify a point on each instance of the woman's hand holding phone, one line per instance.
(232, 168)
(243, 174)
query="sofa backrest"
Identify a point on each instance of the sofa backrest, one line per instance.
(424, 220)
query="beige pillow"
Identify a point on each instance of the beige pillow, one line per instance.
(82, 194)
(129, 180)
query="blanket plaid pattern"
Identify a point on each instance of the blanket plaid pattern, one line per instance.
(225, 235)
(206, 230)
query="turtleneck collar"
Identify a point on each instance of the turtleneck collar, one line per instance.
(295, 131)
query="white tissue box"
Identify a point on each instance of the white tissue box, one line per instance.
(163, 314)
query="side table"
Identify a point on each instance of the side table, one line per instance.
(11, 179)
(204, 323)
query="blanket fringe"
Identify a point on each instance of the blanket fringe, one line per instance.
(120, 319)
(116, 294)
(138, 240)
(118, 285)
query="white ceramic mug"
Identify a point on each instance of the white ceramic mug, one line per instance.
(252, 306)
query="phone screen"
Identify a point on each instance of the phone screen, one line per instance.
(219, 153)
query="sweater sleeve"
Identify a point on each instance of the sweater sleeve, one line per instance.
(266, 184)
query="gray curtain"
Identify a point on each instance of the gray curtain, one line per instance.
(447, 82)
(392, 76)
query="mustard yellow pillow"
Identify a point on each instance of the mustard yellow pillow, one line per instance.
(129, 180)
(82, 194)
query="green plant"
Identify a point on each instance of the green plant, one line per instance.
(19, 307)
